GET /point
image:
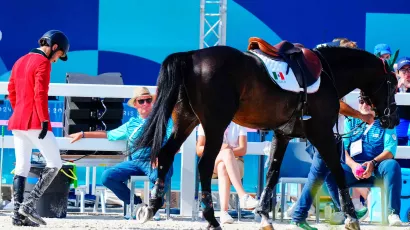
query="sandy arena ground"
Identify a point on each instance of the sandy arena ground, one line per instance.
(76, 221)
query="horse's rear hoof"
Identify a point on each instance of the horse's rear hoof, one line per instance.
(352, 224)
(267, 227)
(212, 228)
(143, 214)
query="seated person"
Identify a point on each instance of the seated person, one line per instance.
(403, 72)
(319, 173)
(379, 146)
(384, 51)
(229, 167)
(115, 178)
(374, 148)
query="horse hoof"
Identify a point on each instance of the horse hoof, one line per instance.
(352, 224)
(267, 227)
(213, 228)
(143, 214)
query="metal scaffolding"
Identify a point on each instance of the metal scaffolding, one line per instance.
(212, 23)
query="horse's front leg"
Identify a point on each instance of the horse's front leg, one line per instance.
(277, 152)
(165, 160)
(328, 150)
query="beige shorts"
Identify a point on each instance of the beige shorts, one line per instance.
(241, 166)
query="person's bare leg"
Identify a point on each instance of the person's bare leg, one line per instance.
(364, 192)
(224, 185)
(357, 192)
(232, 169)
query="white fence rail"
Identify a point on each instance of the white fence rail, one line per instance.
(87, 90)
(188, 149)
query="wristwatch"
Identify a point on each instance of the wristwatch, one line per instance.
(375, 163)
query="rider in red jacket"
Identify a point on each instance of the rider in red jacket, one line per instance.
(30, 122)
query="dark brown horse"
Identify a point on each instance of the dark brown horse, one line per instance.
(216, 85)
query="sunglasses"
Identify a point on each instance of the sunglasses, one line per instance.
(361, 101)
(142, 101)
(407, 70)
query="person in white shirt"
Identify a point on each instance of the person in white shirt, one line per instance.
(229, 167)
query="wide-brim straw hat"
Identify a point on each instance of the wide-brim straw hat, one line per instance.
(138, 92)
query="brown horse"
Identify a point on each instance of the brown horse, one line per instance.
(216, 85)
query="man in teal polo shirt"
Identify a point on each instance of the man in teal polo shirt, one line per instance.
(373, 148)
(370, 146)
(115, 177)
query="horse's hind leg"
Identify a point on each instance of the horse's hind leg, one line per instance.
(212, 146)
(325, 143)
(215, 119)
(272, 176)
(183, 125)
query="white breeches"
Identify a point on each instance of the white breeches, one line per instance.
(25, 141)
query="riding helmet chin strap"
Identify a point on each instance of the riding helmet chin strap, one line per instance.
(52, 52)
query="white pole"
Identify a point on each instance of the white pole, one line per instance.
(1, 165)
(188, 173)
(202, 24)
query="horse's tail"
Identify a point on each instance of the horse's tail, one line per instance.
(168, 85)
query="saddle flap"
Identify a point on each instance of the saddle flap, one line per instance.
(284, 76)
(312, 62)
(305, 63)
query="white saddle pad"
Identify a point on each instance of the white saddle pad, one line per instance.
(277, 71)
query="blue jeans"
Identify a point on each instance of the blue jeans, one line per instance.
(318, 174)
(115, 178)
(388, 171)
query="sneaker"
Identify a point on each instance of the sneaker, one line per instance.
(394, 220)
(291, 210)
(136, 207)
(362, 213)
(337, 218)
(312, 211)
(303, 225)
(248, 202)
(226, 218)
(157, 216)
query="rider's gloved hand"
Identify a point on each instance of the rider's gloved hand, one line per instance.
(44, 129)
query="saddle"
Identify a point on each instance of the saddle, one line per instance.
(303, 62)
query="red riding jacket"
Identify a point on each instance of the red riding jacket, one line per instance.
(28, 91)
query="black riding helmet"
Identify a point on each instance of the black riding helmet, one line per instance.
(53, 37)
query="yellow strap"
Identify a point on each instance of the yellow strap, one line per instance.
(74, 177)
(72, 173)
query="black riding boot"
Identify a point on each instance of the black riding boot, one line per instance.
(18, 196)
(27, 208)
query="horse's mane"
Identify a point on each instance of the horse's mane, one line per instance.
(364, 52)
(352, 51)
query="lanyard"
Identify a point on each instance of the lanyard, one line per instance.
(132, 134)
(367, 129)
